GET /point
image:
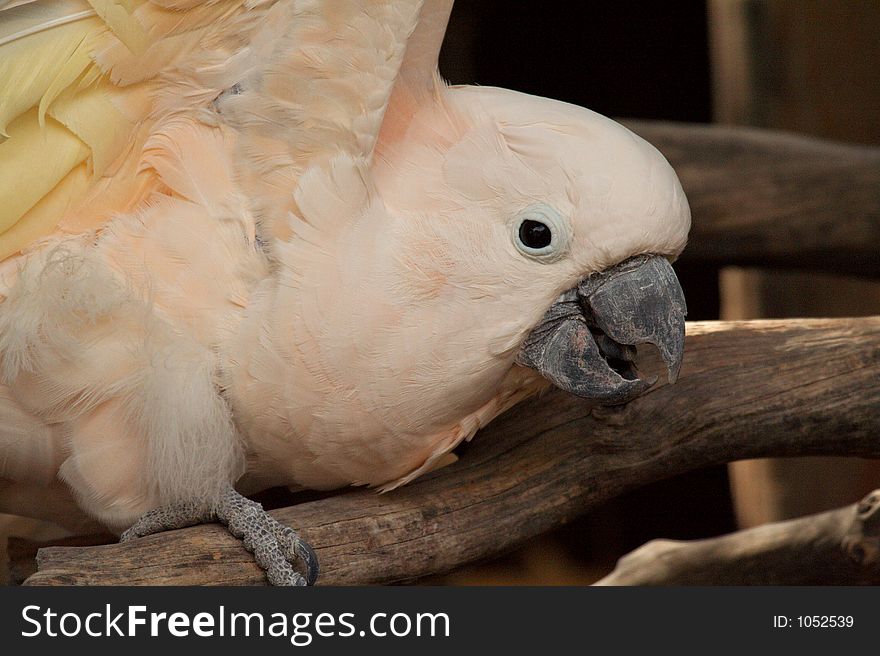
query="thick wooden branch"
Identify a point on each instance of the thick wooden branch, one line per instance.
(840, 547)
(768, 198)
(747, 389)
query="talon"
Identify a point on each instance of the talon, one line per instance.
(309, 559)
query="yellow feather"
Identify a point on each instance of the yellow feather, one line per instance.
(92, 116)
(20, 21)
(42, 218)
(90, 77)
(125, 26)
(106, 75)
(51, 149)
(69, 71)
(29, 66)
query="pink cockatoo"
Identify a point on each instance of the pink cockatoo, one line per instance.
(254, 243)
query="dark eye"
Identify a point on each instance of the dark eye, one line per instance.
(534, 234)
(540, 233)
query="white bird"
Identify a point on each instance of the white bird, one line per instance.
(260, 242)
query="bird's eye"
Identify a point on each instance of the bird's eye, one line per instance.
(534, 234)
(541, 233)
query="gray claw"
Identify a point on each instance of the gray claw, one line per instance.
(276, 547)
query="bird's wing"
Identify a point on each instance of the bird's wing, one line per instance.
(83, 85)
(104, 103)
(324, 90)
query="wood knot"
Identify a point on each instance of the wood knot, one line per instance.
(864, 552)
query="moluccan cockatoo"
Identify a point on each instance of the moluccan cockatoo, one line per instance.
(259, 242)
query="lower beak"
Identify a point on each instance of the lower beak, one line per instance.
(585, 344)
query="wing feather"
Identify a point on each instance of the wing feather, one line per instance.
(82, 88)
(319, 87)
(24, 152)
(90, 87)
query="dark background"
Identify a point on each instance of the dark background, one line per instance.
(623, 58)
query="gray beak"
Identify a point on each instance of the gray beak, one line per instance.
(585, 344)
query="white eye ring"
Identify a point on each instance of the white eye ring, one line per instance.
(559, 233)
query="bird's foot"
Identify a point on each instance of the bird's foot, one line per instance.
(276, 547)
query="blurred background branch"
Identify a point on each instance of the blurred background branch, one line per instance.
(807, 66)
(837, 547)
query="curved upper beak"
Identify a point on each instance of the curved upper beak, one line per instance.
(585, 344)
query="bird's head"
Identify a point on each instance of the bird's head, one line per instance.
(493, 237)
(552, 229)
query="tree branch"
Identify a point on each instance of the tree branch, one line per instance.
(840, 547)
(747, 389)
(767, 198)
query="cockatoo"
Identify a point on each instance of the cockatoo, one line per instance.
(251, 243)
